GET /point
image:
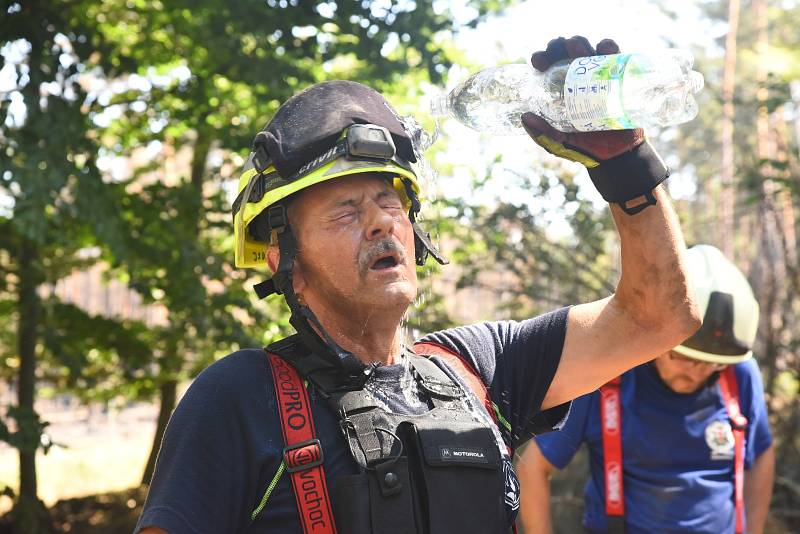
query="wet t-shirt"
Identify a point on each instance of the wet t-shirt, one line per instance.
(223, 445)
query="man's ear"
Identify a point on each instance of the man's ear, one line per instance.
(273, 257)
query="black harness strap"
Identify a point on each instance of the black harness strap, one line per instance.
(433, 380)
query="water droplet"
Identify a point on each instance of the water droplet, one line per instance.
(420, 137)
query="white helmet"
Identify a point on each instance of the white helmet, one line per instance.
(727, 305)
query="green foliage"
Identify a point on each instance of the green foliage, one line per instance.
(509, 247)
(95, 358)
(55, 197)
(224, 67)
(29, 431)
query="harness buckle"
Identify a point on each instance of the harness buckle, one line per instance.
(739, 422)
(303, 455)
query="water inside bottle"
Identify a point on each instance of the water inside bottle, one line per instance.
(494, 100)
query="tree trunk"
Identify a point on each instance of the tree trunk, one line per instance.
(785, 200)
(168, 394)
(727, 171)
(30, 515)
(202, 147)
(786, 221)
(771, 255)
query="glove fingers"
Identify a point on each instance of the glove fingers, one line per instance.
(561, 48)
(607, 46)
(557, 50)
(579, 46)
(536, 126)
(555, 142)
(540, 61)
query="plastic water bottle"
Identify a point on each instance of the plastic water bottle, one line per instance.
(611, 92)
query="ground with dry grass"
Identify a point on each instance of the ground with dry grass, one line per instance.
(98, 451)
(109, 513)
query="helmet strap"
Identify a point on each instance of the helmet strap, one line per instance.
(423, 246)
(422, 239)
(260, 156)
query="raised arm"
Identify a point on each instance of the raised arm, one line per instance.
(652, 309)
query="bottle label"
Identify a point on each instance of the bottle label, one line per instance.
(593, 93)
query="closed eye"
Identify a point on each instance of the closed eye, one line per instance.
(344, 216)
(392, 206)
(389, 200)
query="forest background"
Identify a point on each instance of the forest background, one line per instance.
(124, 123)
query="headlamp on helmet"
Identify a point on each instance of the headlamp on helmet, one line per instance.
(370, 141)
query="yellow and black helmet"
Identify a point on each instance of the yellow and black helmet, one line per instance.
(330, 130)
(729, 309)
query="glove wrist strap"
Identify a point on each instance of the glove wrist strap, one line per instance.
(629, 176)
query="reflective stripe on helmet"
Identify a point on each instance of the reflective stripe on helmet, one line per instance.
(270, 188)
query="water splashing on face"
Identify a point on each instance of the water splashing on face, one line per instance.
(422, 140)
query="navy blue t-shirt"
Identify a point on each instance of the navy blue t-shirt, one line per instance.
(223, 444)
(677, 452)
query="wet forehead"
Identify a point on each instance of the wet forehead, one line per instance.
(340, 191)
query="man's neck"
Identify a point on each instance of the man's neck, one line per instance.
(370, 340)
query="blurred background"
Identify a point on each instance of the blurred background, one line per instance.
(123, 126)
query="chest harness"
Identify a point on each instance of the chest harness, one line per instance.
(413, 469)
(611, 423)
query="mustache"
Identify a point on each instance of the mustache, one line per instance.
(385, 245)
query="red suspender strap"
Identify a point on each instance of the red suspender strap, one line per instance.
(730, 396)
(303, 453)
(611, 421)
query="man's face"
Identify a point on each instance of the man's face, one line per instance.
(355, 247)
(682, 374)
